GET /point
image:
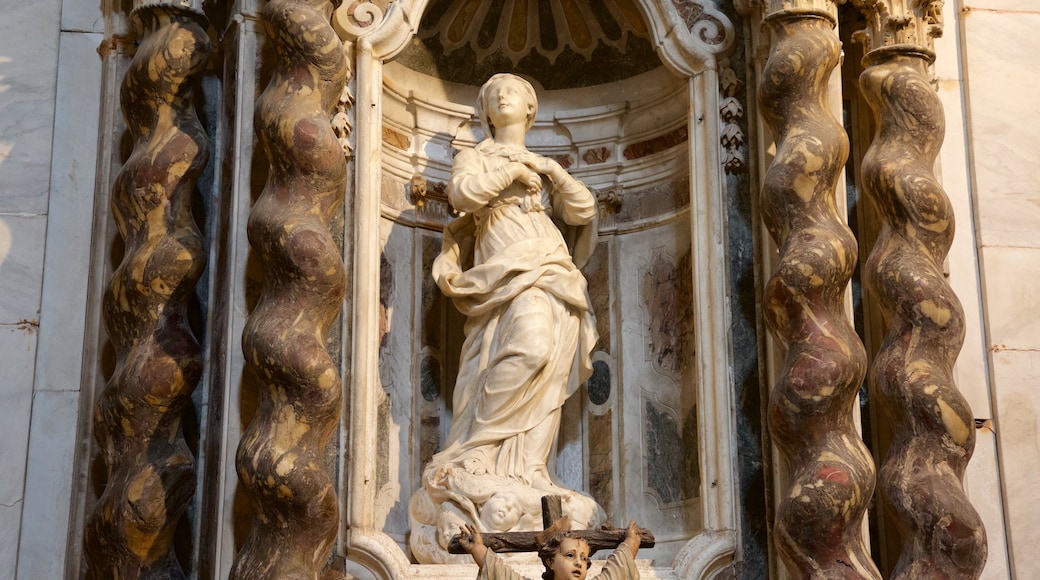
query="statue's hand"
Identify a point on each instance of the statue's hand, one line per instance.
(539, 164)
(527, 177)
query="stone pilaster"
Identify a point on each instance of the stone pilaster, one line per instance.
(912, 375)
(150, 470)
(281, 455)
(818, 528)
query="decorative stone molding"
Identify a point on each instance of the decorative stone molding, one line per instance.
(150, 471)
(819, 519)
(341, 120)
(902, 25)
(281, 457)
(933, 433)
(731, 112)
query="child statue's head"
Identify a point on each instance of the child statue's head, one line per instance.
(565, 556)
(486, 92)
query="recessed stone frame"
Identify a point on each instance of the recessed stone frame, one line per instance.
(689, 42)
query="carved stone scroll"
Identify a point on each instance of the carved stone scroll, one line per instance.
(137, 422)
(281, 456)
(819, 519)
(912, 376)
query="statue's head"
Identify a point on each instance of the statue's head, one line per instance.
(563, 554)
(485, 93)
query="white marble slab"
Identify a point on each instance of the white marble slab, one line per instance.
(21, 267)
(82, 16)
(27, 80)
(52, 446)
(1003, 82)
(1003, 5)
(18, 345)
(1011, 278)
(69, 220)
(1017, 374)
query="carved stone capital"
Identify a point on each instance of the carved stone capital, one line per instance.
(779, 9)
(900, 25)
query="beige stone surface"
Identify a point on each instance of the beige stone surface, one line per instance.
(27, 78)
(21, 267)
(1017, 375)
(1012, 287)
(52, 438)
(16, 375)
(1002, 86)
(81, 16)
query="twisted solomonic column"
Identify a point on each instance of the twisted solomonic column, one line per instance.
(137, 421)
(280, 458)
(912, 375)
(831, 475)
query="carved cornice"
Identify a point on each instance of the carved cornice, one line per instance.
(900, 25)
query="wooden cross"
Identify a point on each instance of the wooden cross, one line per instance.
(553, 521)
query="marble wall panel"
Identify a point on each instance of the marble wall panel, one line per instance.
(18, 345)
(1003, 81)
(82, 16)
(52, 450)
(27, 79)
(1012, 5)
(400, 266)
(1012, 286)
(1016, 374)
(657, 386)
(70, 211)
(21, 267)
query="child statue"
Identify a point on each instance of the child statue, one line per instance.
(564, 555)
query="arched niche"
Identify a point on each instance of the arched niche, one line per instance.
(649, 146)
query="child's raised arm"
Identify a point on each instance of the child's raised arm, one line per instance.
(471, 541)
(632, 539)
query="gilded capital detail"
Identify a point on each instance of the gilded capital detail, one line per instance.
(149, 469)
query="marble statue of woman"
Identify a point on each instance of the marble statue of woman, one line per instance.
(510, 264)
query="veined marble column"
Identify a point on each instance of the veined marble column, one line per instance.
(819, 520)
(281, 457)
(912, 375)
(150, 470)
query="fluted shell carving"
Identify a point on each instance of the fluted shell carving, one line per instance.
(280, 457)
(819, 520)
(137, 422)
(912, 374)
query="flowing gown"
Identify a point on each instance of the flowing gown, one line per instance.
(529, 330)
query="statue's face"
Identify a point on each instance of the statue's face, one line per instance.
(501, 512)
(571, 561)
(507, 103)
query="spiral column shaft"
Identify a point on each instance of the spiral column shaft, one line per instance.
(137, 422)
(912, 374)
(818, 526)
(280, 458)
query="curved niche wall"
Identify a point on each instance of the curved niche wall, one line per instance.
(630, 438)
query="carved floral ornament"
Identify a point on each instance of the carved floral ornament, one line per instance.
(901, 23)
